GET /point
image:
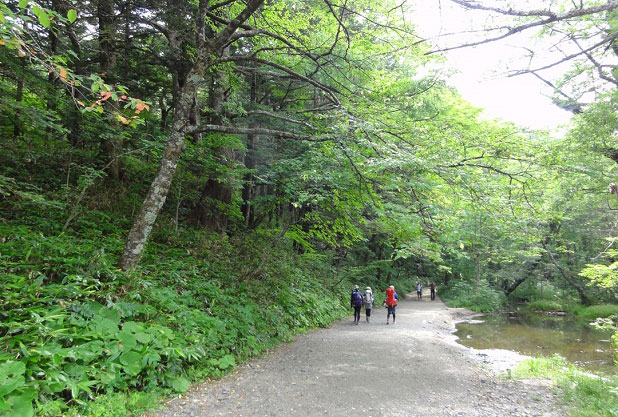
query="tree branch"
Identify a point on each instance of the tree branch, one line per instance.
(221, 38)
(550, 17)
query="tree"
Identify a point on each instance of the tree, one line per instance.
(183, 105)
(302, 87)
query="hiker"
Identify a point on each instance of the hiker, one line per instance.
(391, 303)
(356, 302)
(368, 301)
(432, 287)
(419, 290)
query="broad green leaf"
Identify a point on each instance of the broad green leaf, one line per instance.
(226, 362)
(11, 377)
(180, 384)
(151, 358)
(21, 406)
(11, 369)
(132, 362)
(44, 19)
(72, 15)
(105, 327)
(127, 340)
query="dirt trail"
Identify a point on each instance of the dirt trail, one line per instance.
(412, 368)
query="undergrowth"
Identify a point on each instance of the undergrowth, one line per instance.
(481, 298)
(78, 335)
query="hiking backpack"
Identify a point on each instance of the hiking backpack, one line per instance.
(368, 298)
(357, 298)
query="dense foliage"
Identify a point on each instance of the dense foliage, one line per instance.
(83, 328)
(185, 184)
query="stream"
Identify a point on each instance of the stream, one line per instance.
(537, 334)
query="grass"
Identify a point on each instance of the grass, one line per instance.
(597, 311)
(586, 395)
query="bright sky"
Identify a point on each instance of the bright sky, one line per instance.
(480, 77)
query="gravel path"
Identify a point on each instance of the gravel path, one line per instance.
(412, 368)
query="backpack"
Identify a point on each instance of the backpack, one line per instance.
(357, 298)
(368, 298)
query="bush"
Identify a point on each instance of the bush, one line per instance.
(466, 294)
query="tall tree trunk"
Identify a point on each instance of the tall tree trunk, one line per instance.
(159, 188)
(107, 34)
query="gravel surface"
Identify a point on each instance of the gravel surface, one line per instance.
(412, 368)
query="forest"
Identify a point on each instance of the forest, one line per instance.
(184, 185)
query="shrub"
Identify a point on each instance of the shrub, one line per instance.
(466, 294)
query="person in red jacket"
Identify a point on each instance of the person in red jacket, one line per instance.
(391, 303)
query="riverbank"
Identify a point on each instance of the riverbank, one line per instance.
(414, 367)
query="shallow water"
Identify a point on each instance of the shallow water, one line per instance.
(537, 334)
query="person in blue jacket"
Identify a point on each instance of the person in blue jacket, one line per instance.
(356, 302)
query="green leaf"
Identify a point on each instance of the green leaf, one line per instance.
(180, 384)
(151, 358)
(4, 406)
(127, 339)
(132, 362)
(43, 18)
(72, 15)
(11, 369)
(143, 337)
(21, 406)
(24, 3)
(226, 362)
(11, 377)
(107, 378)
(105, 327)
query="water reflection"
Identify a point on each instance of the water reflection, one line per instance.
(541, 335)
